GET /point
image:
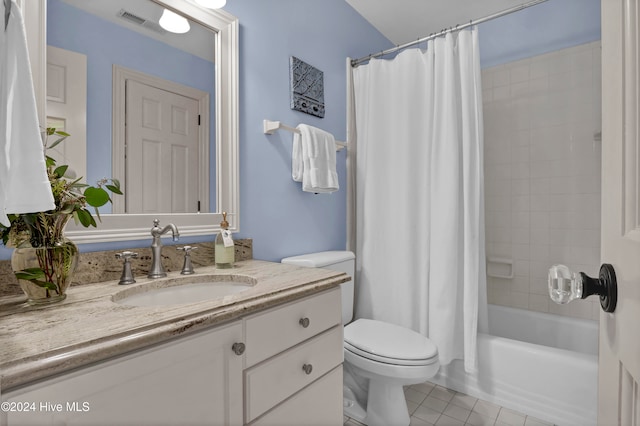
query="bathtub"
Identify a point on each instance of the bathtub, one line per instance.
(539, 364)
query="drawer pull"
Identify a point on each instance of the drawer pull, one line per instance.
(307, 368)
(238, 348)
(304, 322)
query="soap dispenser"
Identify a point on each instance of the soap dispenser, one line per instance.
(224, 250)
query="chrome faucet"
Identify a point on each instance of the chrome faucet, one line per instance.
(157, 271)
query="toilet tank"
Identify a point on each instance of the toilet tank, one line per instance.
(343, 261)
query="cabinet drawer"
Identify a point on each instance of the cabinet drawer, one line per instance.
(273, 381)
(318, 404)
(275, 330)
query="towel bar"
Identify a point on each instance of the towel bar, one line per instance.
(270, 128)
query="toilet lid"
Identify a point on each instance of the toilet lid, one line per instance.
(389, 343)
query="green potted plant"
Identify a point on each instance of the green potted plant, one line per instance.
(43, 259)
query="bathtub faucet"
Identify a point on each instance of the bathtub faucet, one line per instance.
(156, 270)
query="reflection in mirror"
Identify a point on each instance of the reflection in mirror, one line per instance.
(129, 227)
(161, 84)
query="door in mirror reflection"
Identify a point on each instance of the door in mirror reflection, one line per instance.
(67, 106)
(161, 150)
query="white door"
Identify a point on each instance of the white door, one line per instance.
(162, 151)
(67, 106)
(619, 368)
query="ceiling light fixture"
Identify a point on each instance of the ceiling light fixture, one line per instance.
(173, 22)
(212, 4)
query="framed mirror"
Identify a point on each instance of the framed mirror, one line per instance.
(217, 152)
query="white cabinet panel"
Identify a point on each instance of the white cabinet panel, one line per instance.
(275, 380)
(192, 380)
(281, 328)
(318, 404)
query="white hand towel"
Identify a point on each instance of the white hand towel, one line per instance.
(24, 185)
(314, 154)
(297, 163)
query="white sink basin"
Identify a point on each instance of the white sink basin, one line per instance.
(189, 292)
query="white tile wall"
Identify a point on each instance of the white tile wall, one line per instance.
(542, 173)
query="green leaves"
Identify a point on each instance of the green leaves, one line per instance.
(60, 171)
(85, 218)
(36, 276)
(114, 187)
(52, 131)
(57, 141)
(96, 197)
(71, 197)
(30, 274)
(49, 161)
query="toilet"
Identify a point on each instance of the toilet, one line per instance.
(380, 358)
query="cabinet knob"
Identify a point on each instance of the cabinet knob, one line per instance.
(304, 322)
(238, 348)
(307, 368)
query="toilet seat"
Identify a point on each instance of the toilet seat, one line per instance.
(389, 343)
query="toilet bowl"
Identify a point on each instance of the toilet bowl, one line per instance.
(380, 358)
(390, 357)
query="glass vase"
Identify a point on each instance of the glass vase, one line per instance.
(45, 273)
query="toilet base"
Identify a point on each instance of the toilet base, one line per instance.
(379, 400)
(352, 408)
(386, 406)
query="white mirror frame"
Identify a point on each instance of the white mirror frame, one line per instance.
(123, 227)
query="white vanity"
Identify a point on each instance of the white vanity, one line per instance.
(271, 355)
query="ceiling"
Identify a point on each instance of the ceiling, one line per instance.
(402, 21)
(199, 41)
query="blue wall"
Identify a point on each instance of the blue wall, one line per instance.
(549, 26)
(281, 219)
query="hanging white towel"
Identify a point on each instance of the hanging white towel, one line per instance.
(297, 162)
(24, 186)
(314, 160)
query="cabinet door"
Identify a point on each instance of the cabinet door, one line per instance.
(276, 379)
(318, 404)
(195, 379)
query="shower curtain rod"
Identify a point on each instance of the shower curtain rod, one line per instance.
(356, 62)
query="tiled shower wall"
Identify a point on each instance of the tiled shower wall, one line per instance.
(542, 175)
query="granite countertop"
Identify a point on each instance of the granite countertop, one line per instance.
(88, 326)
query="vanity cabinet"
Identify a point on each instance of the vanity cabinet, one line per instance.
(281, 366)
(294, 363)
(192, 380)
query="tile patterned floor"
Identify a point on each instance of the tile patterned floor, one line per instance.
(433, 405)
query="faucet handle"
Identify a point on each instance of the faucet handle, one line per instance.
(187, 267)
(187, 249)
(126, 255)
(127, 275)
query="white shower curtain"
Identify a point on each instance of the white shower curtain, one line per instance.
(419, 209)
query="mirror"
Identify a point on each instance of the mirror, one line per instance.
(220, 137)
(159, 82)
